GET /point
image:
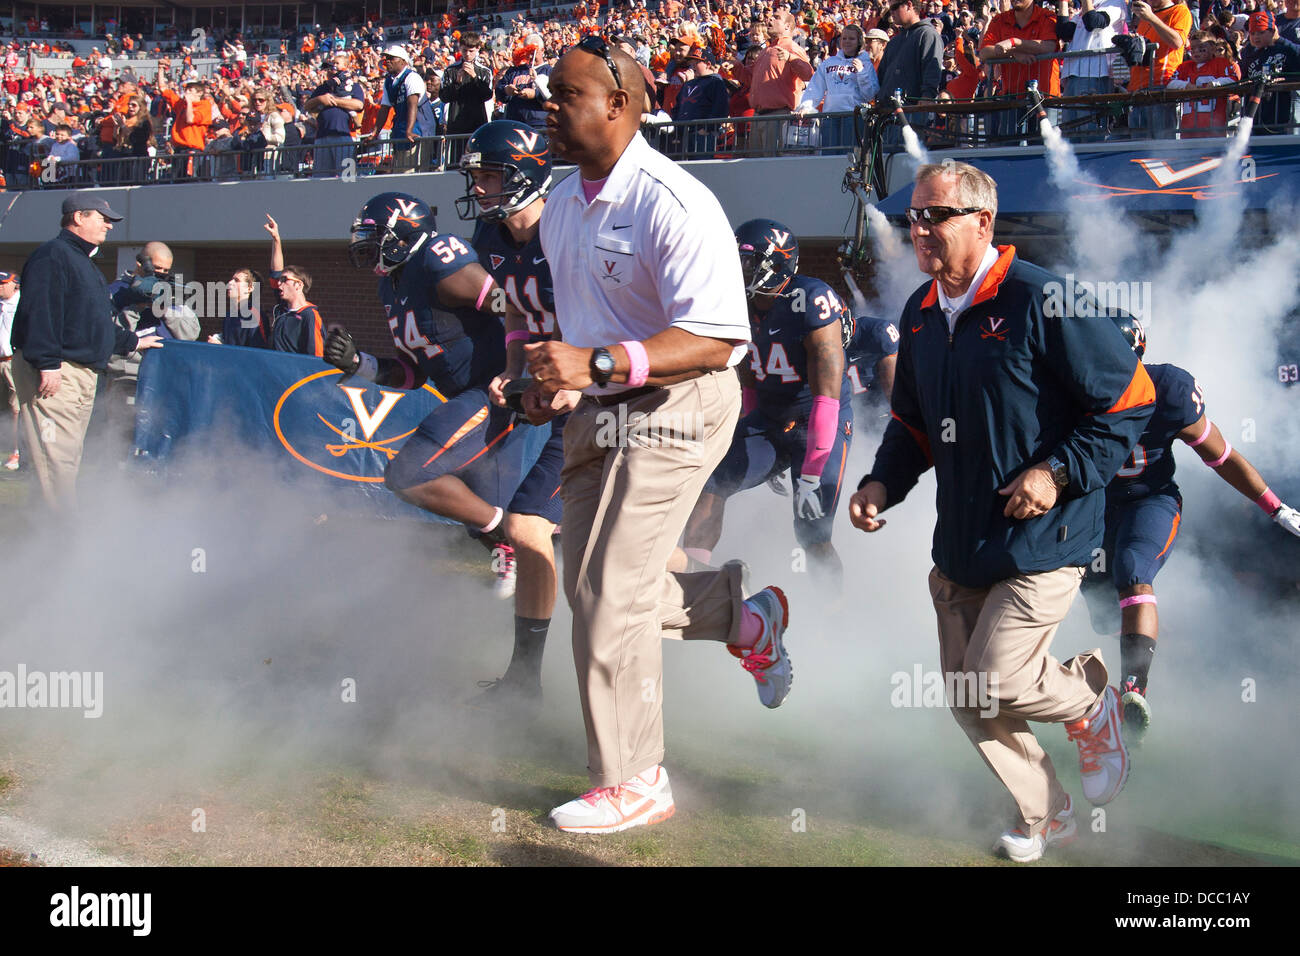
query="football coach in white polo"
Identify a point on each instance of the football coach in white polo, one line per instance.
(651, 306)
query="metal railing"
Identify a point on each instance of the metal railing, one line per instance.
(949, 124)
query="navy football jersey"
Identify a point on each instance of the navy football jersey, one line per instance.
(1288, 350)
(776, 354)
(454, 348)
(522, 271)
(873, 339)
(1150, 469)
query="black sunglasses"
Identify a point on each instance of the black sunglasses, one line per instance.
(933, 215)
(597, 45)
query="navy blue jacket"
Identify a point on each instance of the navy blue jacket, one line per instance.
(1011, 386)
(65, 313)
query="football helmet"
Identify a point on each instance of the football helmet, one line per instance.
(521, 154)
(389, 230)
(769, 256)
(1134, 334)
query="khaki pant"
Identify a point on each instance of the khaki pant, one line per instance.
(627, 495)
(1004, 633)
(8, 391)
(54, 429)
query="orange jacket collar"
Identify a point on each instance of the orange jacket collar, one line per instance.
(988, 288)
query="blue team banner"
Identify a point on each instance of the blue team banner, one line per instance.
(1163, 178)
(332, 433)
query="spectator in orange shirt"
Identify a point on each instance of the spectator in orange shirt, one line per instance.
(877, 40)
(776, 81)
(1204, 66)
(1169, 24)
(1022, 33)
(192, 114)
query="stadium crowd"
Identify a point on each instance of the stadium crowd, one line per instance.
(263, 99)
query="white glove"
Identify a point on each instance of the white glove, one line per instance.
(808, 503)
(780, 483)
(1289, 519)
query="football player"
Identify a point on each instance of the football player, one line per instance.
(466, 459)
(797, 408)
(1143, 511)
(507, 167)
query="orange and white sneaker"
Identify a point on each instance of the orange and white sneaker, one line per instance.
(1019, 847)
(645, 799)
(11, 463)
(1103, 757)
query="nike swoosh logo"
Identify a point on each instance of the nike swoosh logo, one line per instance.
(917, 328)
(626, 225)
(773, 331)
(538, 262)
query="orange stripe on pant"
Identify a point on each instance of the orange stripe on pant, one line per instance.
(474, 421)
(1173, 533)
(486, 448)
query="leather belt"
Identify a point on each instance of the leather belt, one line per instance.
(6, 358)
(769, 112)
(618, 398)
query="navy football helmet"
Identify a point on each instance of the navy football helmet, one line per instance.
(1134, 334)
(769, 256)
(389, 230)
(521, 154)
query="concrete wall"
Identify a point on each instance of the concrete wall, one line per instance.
(803, 192)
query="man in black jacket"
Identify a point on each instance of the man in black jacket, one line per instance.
(913, 62)
(63, 336)
(467, 88)
(1025, 414)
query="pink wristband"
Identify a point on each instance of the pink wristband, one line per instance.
(1137, 599)
(1268, 502)
(640, 362)
(1227, 450)
(822, 421)
(487, 284)
(517, 335)
(1204, 435)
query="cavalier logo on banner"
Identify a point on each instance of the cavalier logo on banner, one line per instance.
(1174, 177)
(311, 422)
(368, 408)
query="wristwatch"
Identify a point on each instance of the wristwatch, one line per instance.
(602, 366)
(1060, 474)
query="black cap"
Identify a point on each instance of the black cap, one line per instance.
(80, 202)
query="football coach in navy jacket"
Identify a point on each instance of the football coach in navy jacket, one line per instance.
(1025, 417)
(63, 336)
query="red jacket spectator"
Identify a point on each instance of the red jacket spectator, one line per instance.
(1041, 26)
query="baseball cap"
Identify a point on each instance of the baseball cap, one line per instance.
(878, 35)
(398, 51)
(6, 276)
(696, 53)
(1261, 22)
(83, 203)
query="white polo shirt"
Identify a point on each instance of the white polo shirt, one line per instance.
(7, 309)
(653, 250)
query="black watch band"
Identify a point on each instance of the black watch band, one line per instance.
(602, 366)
